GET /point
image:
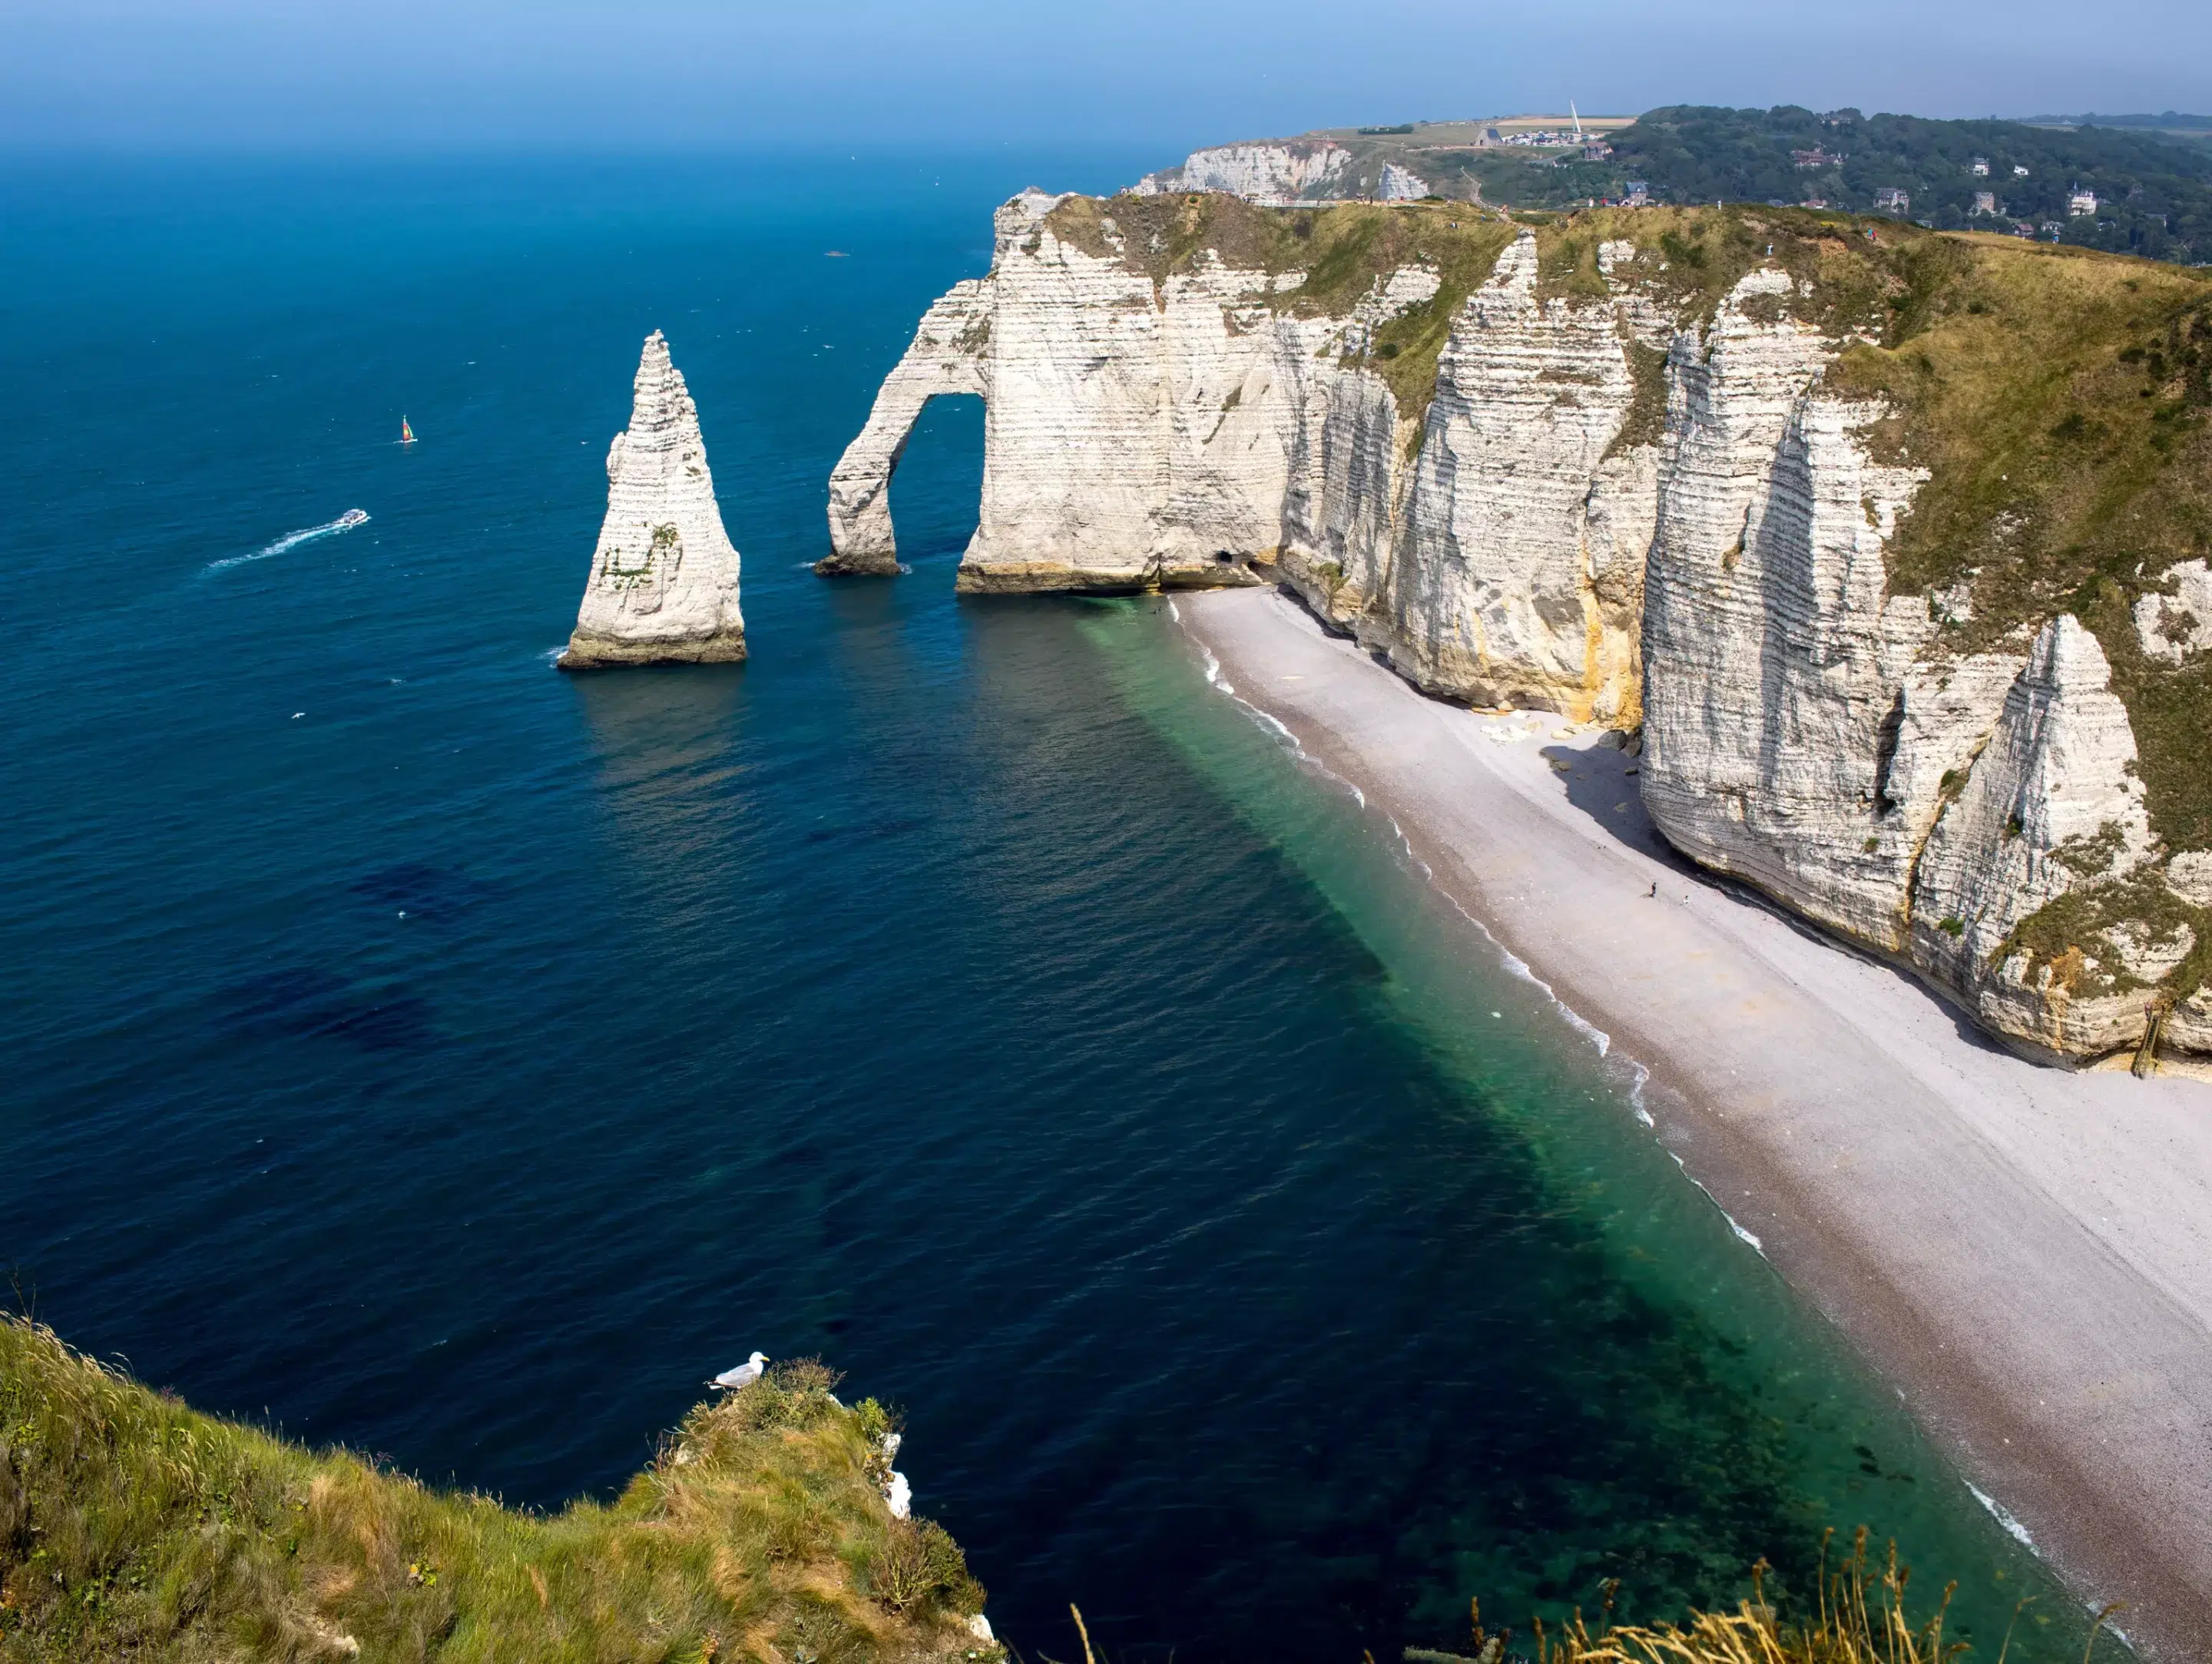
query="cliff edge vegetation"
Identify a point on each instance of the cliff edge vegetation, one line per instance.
(133, 1528)
(1339, 254)
(1859, 1617)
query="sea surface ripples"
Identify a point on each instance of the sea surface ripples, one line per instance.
(460, 1061)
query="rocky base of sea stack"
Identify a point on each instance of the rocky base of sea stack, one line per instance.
(856, 565)
(606, 653)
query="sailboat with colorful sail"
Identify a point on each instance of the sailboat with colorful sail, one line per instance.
(406, 433)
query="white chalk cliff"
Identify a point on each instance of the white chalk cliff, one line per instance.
(1273, 173)
(1291, 174)
(1399, 185)
(663, 587)
(1626, 501)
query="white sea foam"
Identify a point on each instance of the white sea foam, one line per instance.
(1639, 1076)
(1513, 962)
(1743, 1236)
(2003, 1516)
(292, 540)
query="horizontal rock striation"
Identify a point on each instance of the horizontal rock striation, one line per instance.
(1214, 424)
(664, 582)
(948, 356)
(1137, 434)
(1643, 469)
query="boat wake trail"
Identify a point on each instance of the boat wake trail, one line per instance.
(344, 522)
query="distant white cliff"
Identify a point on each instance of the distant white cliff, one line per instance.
(663, 587)
(1274, 172)
(1399, 185)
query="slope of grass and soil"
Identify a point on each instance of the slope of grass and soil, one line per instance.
(134, 1529)
(1342, 251)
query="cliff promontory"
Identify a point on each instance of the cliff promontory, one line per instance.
(664, 583)
(132, 1528)
(1894, 543)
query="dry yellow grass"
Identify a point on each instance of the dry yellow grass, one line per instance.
(1860, 1619)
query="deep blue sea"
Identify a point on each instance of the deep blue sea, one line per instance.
(418, 1049)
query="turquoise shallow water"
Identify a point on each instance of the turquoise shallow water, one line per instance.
(435, 1054)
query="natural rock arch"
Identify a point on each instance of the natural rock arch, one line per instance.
(947, 357)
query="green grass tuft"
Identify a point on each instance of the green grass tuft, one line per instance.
(133, 1528)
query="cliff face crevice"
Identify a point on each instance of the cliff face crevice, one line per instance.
(1520, 551)
(1742, 477)
(1766, 605)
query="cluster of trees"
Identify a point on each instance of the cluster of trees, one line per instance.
(2153, 191)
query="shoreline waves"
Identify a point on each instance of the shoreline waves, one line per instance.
(2025, 1252)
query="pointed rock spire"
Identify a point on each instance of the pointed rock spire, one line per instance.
(664, 583)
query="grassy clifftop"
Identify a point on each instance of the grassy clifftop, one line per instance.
(1341, 251)
(133, 1528)
(2153, 184)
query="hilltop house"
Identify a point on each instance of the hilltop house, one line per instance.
(1981, 167)
(2081, 202)
(1815, 157)
(1985, 202)
(1891, 200)
(1639, 195)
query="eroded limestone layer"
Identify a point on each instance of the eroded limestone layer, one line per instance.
(663, 587)
(1134, 435)
(1808, 731)
(1198, 430)
(1519, 555)
(1628, 497)
(1275, 172)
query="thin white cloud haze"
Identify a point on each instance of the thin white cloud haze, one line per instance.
(140, 74)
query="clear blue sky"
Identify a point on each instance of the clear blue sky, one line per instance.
(656, 73)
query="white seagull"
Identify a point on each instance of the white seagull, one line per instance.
(744, 1375)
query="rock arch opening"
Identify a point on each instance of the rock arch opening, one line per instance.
(940, 451)
(948, 356)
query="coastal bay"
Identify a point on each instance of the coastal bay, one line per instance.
(2024, 1250)
(415, 1039)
